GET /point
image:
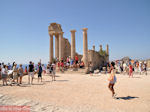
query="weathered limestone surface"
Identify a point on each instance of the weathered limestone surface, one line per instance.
(95, 58)
(51, 48)
(73, 48)
(85, 47)
(148, 63)
(57, 46)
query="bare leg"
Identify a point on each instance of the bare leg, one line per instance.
(111, 87)
(32, 81)
(28, 79)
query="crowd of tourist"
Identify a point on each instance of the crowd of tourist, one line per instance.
(131, 67)
(14, 73)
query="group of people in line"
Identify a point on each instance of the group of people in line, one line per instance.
(14, 74)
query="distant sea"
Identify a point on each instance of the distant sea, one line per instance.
(24, 65)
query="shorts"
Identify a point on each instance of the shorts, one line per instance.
(15, 75)
(76, 62)
(53, 72)
(31, 74)
(4, 76)
(39, 74)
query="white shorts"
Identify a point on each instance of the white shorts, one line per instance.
(31, 74)
(53, 72)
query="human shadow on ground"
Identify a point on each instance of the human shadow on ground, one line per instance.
(62, 80)
(25, 85)
(136, 77)
(126, 98)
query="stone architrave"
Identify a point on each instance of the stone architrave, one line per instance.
(85, 47)
(57, 46)
(60, 45)
(51, 48)
(73, 48)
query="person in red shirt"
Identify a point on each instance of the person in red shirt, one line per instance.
(58, 65)
(76, 59)
(130, 70)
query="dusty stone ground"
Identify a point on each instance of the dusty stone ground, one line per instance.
(80, 93)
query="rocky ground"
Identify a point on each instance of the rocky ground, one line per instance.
(80, 93)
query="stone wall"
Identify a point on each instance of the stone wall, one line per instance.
(66, 48)
(95, 58)
(148, 63)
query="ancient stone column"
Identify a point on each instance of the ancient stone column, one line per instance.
(101, 48)
(51, 48)
(60, 45)
(93, 48)
(107, 49)
(57, 46)
(85, 47)
(73, 48)
(107, 52)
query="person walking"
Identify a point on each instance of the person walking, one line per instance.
(112, 79)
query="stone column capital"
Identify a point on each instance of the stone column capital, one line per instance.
(72, 31)
(84, 29)
(61, 33)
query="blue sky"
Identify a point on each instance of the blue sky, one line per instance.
(123, 24)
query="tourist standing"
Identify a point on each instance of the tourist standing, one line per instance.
(71, 63)
(112, 79)
(140, 68)
(20, 73)
(62, 65)
(4, 74)
(30, 72)
(26, 71)
(91, 68)
(54, 71)
(43, 69)
(40, 70)
(130, 70)
(50, 68)
(145, 68)
(15, 73)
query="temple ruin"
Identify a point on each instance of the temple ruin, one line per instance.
(64, 49)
